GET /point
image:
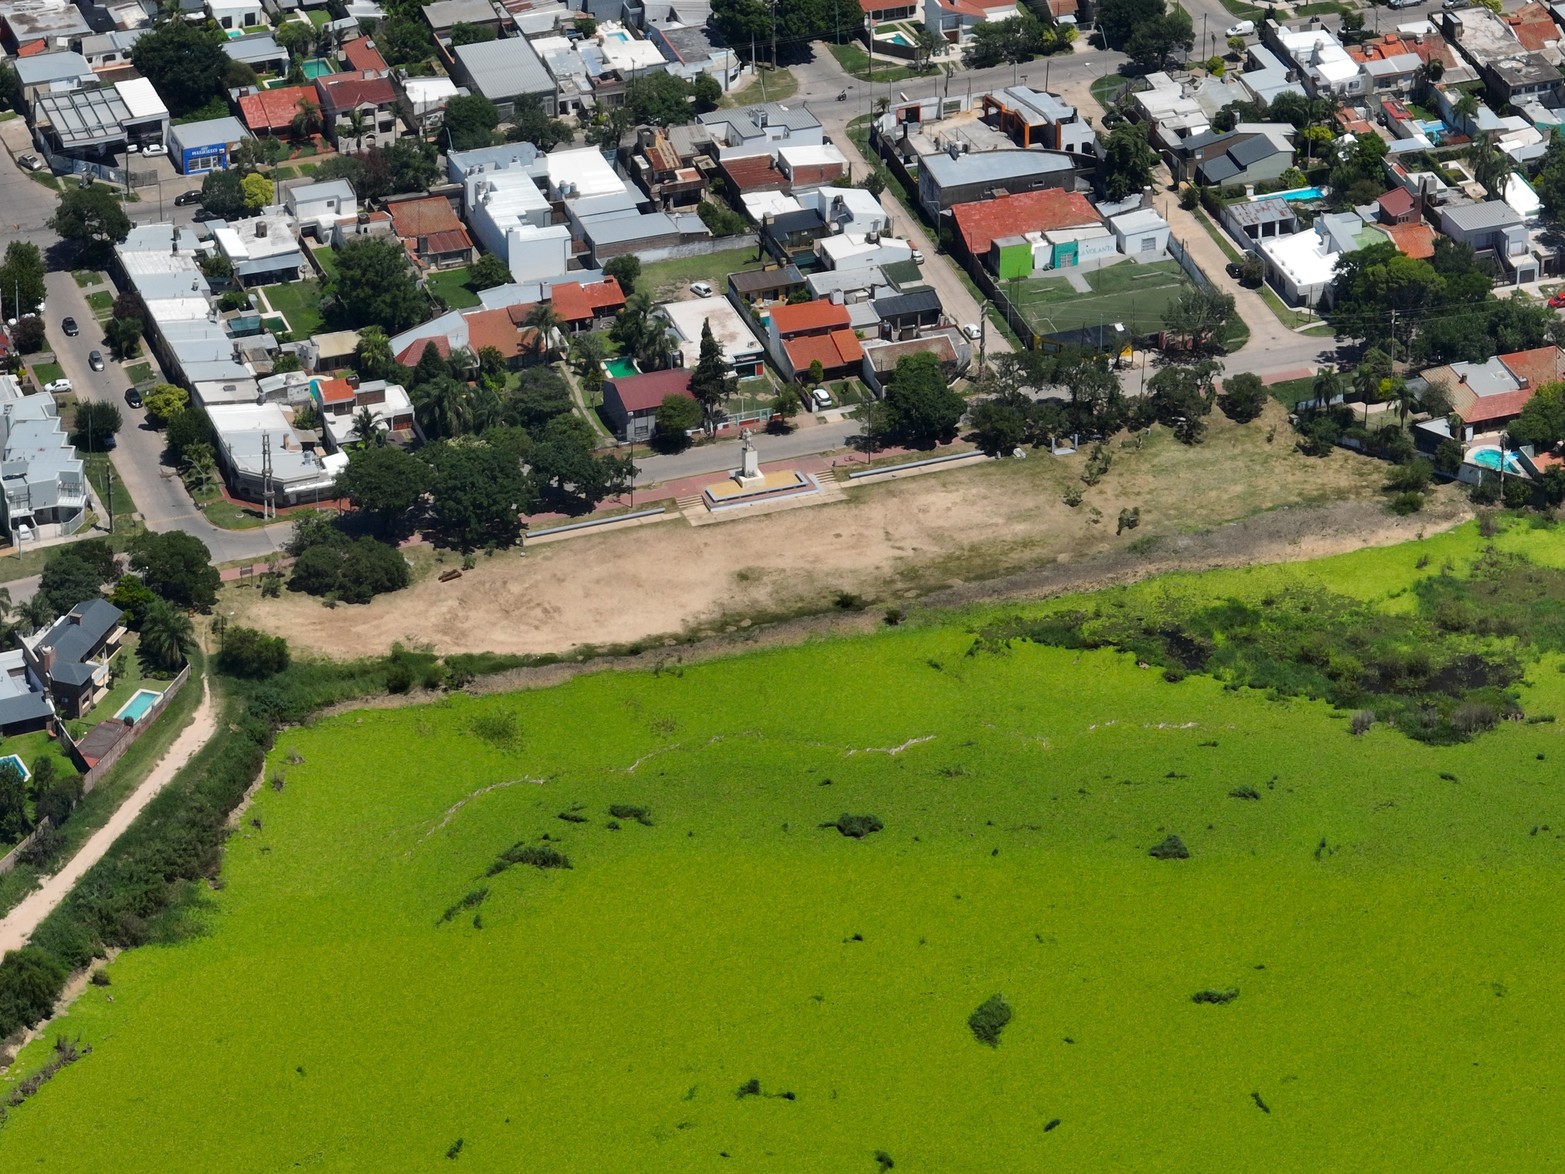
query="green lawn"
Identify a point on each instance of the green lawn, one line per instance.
(1385, 912)
(1290, 391)
(139, 373)
(124, 507)
(1105, 89)
(300, 303)
(47, 372)
(451, 286)
(856, 61)
(229, 515)
(326, 258)
(664, 279)
(767, 85)
(87, 278)
(1133, 295)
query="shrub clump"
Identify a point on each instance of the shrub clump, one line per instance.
(855, 826)
(499, 729)
(1169, 848)
(476, 897)
(625, 811)
(532, 855)
(989, 1020)
(1244, 793)
(1218, 997)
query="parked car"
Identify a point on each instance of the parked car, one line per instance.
(31, 162)
(58, 387)
(702, 289)
(1453, 4)
(70, 328)
(822, 398)
(1234, 270)
(918, 257)
(185, 199)
(132, 397)
(95, 360)
(154, 150)
(1245, 28)
(971, 330)
(1558, 300)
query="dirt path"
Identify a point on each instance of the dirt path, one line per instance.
(19, 924)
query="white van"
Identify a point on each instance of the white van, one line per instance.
(1245, 28)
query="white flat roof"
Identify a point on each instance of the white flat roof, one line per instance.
(730, 329)
(141, 98)
(586, 168)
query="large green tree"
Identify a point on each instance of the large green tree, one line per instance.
(531, 123)
(1196, 318)
(385, 483)
(1119, 19)
(1002, 42)
(223, 194)
(1542, 422)
(74, 574)
(921, 407)
(185, 62)
(470, 122)
(1128, 161)
(178, 566)
(21, 279)
(711, 382)
(478, 492)
(374, 286)
(663, 98)
(93, 218)
(1155, 39)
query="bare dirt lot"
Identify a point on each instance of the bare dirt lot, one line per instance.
(998, 528)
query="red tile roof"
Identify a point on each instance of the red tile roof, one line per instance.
(422, 217)
(414, 351)
(348, 91)
(1379, 48)
(1532, 25)
(817, 316)
(1534, 368)
(577, 301)
(276, 109)
(336, 391)
(756, 173)
(644, 393)
(1040, 211)
(364, 57)
(1413, 239)
(1396, 202)
(838, 349)
(1488, 408)
(452, 240)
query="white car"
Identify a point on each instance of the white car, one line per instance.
(918, 257)
(822, 397)
(58, 387)
(1244, 28)
(154, 150)
(971, 330)
(701, 289)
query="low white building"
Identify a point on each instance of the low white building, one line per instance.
(853, 250)
(43, 483)
(1141, 235)
(236, 14)
(319, 206)
(252, 436)
(1300, 267)
(510, 218)
(742, 350)
(262, 249)
(426, 99)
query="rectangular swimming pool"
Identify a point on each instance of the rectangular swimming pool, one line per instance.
(136, 708)
(620, 368)
(16, 761)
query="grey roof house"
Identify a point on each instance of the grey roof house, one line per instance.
(503, 70)
(1237, 158)
(24, 706)
(957, 177)
(72, 657)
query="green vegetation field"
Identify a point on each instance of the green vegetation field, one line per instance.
(373, 985)
(1135, 296)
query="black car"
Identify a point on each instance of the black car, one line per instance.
(185, 199)
(132, 397)
(70, 328)
(1235, 270)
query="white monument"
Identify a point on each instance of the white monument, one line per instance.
(748, 473)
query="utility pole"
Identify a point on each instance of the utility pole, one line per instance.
(774, 34)
(268, 508)
(108, 503)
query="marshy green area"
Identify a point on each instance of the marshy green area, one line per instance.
(600, 926)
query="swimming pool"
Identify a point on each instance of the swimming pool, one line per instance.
(620, 368)
(900, 39)
(1310, 193)
(1434, 130)
(317, 67)
(1489, 458)
(16, 761)
(617, 36)
(136, 708)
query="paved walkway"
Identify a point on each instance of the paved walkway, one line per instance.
(19, 925)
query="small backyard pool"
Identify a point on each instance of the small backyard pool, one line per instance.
(1309, 193)
(1434, 130)
(620, 368)
(1489, 458)
(16, 761)
(899, 38)
(136, 708)
(317, 67)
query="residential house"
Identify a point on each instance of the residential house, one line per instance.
(1495, 229)
(741, 349)
(199, 147)
(236, 14)
(1050, 210)
(803, 167)
(504, 70)
(359, 110)
(853, 287)
(502, 328)
(281, 113)
(1301, 267)
(1398, 206)
(424, 100)
(1389, 61)
(512, 218)
(1533, 27)
(881, 11)
(881, 356)
(790, 236)
(431, 232)
(1034, 118)
(1238, 158)
(1249, 221)
(444, 15)
(903, 315)
(752, 287)
(669, 180)
(264, 456)
(49, 73)
(1487, 396)
(630, 404)
(761, 129)
(811, 332)
(359, 55)
(24, 706)
(695, 49)
(1512, 73)
(1322, 64)
(586, 305)
(43, 481)
(854, 250)
(846, 209)
(29, 27)
(262, 249)
(260, 51)
(71, 657)
(1267, 76)
(954, 20)
(947, 178)
(108, 53)
(318, 206)
(339, 403)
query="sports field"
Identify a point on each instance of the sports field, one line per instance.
(1133, 295)
(393, 975)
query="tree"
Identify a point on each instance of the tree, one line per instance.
(11, 97)
(784, 408)
(14, 821)
(707, 91)
(478, 493)
(373, 285)
(545, 324)
(28, 335)
(444, 406)
(295, 36)
(999, 426)
(1119, 19)
(200, 464)
(404, 40)
(21, 279)
(37, 613)
(178, 566)
(185, 429)
(660, 98)
(712, 382)
(1153, 40)
(124, 336)
(91, 217)
(470, 122)
(253, 654)
(531, 123)
(1014, 40)
(184, 62)
(489, 271)
(258, 191)
(1181, 397)
(1542, 420)
(223, 194)
(562, 462)
(95, 425)
(165, 401)
(921, 406)
(625, 269)
(372, 354)
(132, 597)
(676, 416)
(1243, 397)
(463, 33)
(1198, 316)
(1128, 161)
(167, 636)
(1549, 182)
(385, 483)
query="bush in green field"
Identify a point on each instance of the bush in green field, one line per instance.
(250, 653)
(855, 826)
(990, 1020)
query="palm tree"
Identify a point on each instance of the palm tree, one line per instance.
(1406, 399)
(167, 636)
(308, 120)
(5, 602)
(1490, 164)
(373, 353)
(632, 323)
(369, 433)
(356, 122)
(445, 407)
(1327, 386)
(36, 613)
(545, 322)
(657, 350)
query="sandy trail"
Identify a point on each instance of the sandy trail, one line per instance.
(18, 926)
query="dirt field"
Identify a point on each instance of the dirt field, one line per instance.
(945, 533)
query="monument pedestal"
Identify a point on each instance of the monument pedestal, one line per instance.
(748, 474)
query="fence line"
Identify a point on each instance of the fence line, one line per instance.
(9, 860)
(91, 775)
